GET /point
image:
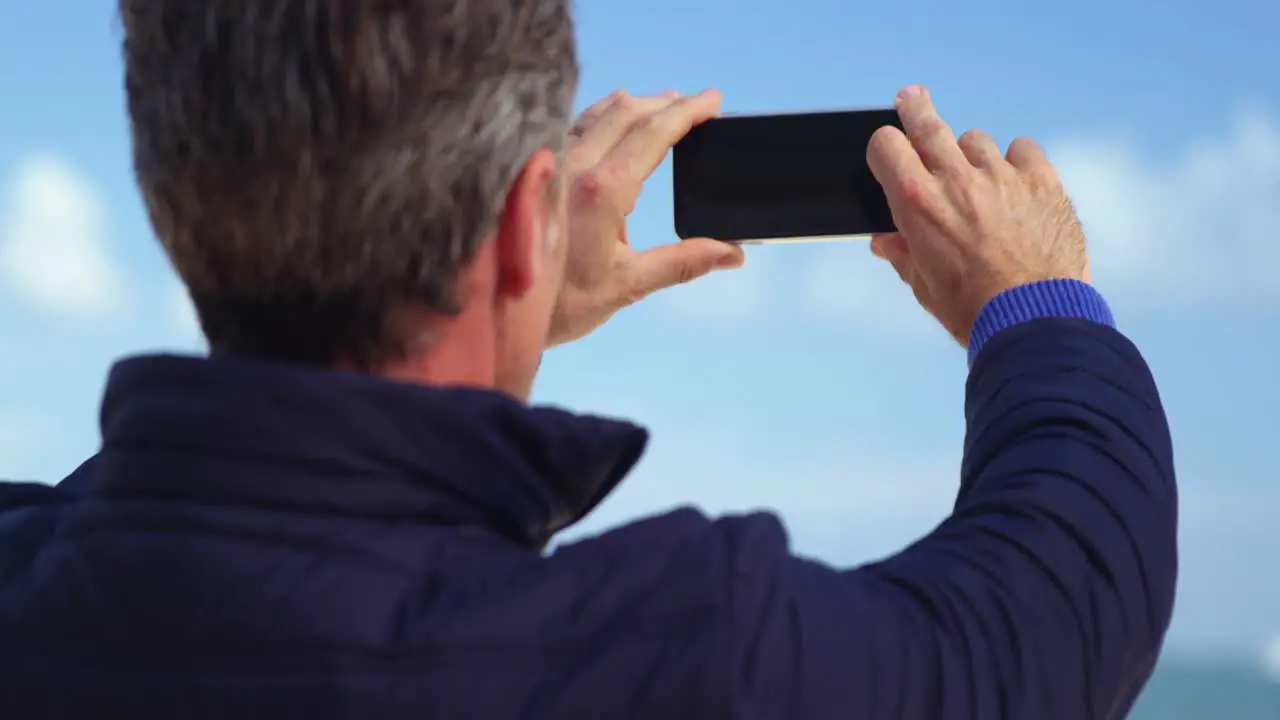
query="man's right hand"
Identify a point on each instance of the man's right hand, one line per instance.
(972, 223)
(617, 144)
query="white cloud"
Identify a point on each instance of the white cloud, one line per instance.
(724, 294)
(846, 281)
(53, 249)
(1198, 224)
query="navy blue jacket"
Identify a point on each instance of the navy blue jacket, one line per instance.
(259, 542)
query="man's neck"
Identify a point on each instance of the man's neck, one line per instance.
(449, 352)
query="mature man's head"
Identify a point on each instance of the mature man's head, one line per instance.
(314, 166)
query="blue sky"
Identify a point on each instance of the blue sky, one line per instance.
(807, 381)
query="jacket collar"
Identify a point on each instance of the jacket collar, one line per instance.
(249, 432)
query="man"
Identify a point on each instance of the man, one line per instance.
(384, 217)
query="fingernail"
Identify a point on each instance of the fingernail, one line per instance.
(910, 91)
(672, 93)
(728, 261)
(877, 250)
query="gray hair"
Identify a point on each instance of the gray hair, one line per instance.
(312, 165)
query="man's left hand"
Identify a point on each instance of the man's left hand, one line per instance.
(616, 145)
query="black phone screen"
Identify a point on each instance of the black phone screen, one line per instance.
(770, 177)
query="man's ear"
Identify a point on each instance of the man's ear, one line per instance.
(523, 221)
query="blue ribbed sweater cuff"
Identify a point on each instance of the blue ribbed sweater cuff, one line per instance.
(1046, 298)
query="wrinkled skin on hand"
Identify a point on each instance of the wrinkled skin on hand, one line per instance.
(617, 144)
(972, 222)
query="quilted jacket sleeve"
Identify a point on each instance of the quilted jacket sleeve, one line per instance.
(1045, 595)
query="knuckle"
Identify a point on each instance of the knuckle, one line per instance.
(1044, 178)
(632, 290)
(651, 123)
(1026, 153)
(1046, 175)
(1040, 176)
(973, 137)
(1024, 143)
(918, 193)
(629, 105)
(689, 271)
(931, 126)
(590, 187)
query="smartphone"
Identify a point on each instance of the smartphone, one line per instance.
(780, 178)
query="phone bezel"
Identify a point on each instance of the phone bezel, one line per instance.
(768, 240)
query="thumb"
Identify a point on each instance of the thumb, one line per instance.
(668, 265)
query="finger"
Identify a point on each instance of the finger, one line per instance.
(930, 136)
(980, 149)
(896, 165)
(605, 133)
(893, 248)
(669, 265)
(639, 153)
(879, 240)
(1026, 155)
(591, 115)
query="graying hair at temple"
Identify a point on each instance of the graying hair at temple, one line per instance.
(309, 166)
